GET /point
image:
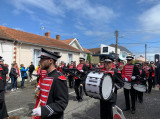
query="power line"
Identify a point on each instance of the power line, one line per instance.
(140, 43)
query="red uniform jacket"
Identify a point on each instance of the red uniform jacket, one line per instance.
(127, 72)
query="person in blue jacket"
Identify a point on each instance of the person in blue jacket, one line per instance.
(23, 74)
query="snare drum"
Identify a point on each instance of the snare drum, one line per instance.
(140, 87)
(99, 85)
(127, 85)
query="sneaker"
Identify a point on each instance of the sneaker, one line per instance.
(17, 88)
(12, 89)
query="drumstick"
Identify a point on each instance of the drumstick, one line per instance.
(37, 107)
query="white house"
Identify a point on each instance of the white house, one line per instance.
(106, 49)
(23, 47)
(110, 50)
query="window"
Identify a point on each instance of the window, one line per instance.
(36, 55)
(70, 58)
(105, 49)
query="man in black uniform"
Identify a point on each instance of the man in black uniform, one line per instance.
(53, 89)
(106, 111)
(129, 74)
(142, 81)
(3, 72)
(80, 79)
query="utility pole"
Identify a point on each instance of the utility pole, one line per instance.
(116, 32)
(145, 52)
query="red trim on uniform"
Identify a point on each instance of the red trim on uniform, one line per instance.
(119, 71)
(62, 77)
(127, 71)
(116, 116)
(76, 78)
(80, 66)
(105, 71)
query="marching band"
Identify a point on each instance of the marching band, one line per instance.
(99, 82)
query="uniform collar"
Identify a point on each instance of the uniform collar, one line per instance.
(52, 71)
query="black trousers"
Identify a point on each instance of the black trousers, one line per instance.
(78, 89)
(106, 111)
(139, 96)
(127, 99)
(150, 85)
(30, 75)
(3, 109)
(71, 81)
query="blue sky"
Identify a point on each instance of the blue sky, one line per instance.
(92, 22)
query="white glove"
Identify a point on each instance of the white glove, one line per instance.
(82, 71)
(36, 112)
(125, 79)
(133, 77)
(144, 78)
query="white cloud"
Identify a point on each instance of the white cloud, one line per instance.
(150, 19)
(96, 33)
(86, 10)
(49, 6)
(97, 16)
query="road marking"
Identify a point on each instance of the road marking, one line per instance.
(72, 92)
(16, 92)
(15, 110)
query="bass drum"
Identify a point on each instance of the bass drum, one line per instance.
(99, 85)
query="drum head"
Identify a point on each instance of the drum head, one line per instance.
(107, 86)
(127, 85)
(139, 87)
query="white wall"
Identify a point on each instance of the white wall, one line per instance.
(74, 44)
(123, 55)
(6, 51)
(25, 53)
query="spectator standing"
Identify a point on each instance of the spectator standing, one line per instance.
(23, 74)
(13, 75)
(7, 77)
(18, 72)
(31, 69)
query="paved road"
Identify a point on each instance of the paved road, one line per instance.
(22, 102)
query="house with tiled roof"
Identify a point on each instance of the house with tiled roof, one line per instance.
(23, 47)
(109, 51)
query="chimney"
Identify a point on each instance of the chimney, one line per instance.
(47, 34)
(57, 37)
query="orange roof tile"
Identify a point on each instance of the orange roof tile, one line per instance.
(67, 41)
(85, 50)
(94, 50)
(22, 36)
